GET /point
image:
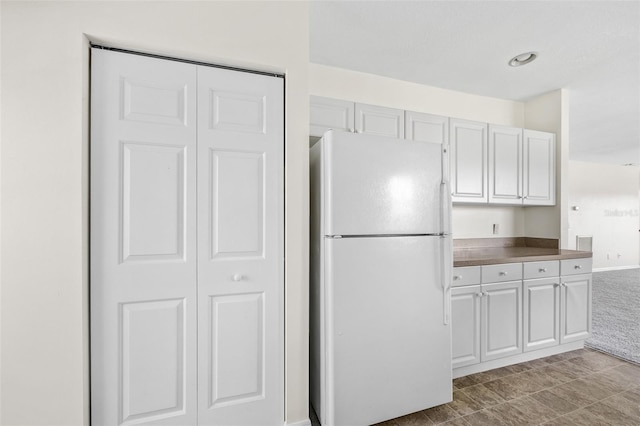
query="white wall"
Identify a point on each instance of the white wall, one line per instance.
(44, 175)
(550, 113)
(468, 221)
(608, 201)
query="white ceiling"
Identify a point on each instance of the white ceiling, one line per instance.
(591, 48)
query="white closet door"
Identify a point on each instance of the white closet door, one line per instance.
(143, 246)
(240, 248)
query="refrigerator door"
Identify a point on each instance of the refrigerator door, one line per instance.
(388, 352)
(380, 186)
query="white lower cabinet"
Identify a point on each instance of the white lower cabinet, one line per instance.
(575, 308)
(501, 320)
(465, 325)
(541, 309)
(501, 323)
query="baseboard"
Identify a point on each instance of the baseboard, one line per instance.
(615, 268)
(305, 422)
(516, 359)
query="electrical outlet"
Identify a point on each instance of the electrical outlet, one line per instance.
(496, 229)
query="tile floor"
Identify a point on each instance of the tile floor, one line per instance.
(582, 387)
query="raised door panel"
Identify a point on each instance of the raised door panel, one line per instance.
(539, 168)
(380, 121)
(465, 325)
(327, 113)
(501, 320)
(153, 360)
(426, 127)
(575, 313)
(240, 248)
(541, 313)
(468, 157)
(143, 262)
(505, 165)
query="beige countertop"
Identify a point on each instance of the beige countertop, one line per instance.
(491, 251)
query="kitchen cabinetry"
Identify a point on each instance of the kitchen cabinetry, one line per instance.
(486, 318)
(379, 121)
(509, 313)
(501, 320)
(505, 165)
(468, 157)
(327, 113)
(489, 164)
(539, 168)
(541, 305)
(426, 127)
(521, 166)
(465, 325)
(575, 308)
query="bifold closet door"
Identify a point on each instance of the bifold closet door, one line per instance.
(143, 241)
(187, 244)
(240, 248)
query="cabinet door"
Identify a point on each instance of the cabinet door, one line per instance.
(381, 121)
(327, 113)
(505, 165)
(501, 320)
(468, 145)
(465, 325)
(539, 168)
(541, 313)
(575, 308)
(426, 127)
(240, 248)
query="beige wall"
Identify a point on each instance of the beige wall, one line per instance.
(44, 175)
(608, 200)
(468, 221)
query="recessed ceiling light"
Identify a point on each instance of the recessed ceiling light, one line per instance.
(523, 58)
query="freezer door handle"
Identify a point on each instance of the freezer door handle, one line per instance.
(445, 207)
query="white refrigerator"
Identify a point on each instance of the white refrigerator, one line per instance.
(381, 261)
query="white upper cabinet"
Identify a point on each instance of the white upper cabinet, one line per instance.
(423, 127)
(539, 180)
(489, 164)
(336, 114)
(326, 113)
(505, 165)
(380, 121)
(468, 145)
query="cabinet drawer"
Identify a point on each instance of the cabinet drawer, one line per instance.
(550, 268)
(466, 275)
(502, 272)
(575, 266)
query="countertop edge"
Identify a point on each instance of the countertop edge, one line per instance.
(567, 254)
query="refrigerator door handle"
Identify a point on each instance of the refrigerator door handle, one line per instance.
(446, 268)
(446, 248)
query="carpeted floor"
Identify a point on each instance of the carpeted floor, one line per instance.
(616, 313)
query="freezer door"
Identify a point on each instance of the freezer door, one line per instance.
(380, 186)
(388, 350)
